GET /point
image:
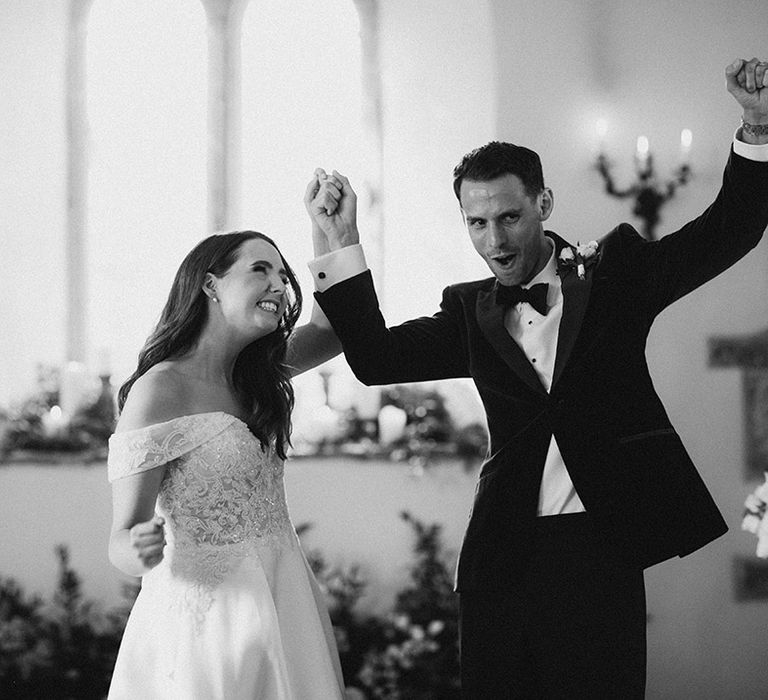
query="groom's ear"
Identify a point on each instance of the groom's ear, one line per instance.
(546, 203)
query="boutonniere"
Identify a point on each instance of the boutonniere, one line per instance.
(579, 257)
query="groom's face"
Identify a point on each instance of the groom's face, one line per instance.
(505, 226)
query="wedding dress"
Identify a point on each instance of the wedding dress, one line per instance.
(233, 611)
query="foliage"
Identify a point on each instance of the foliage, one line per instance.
(420, 659)
(62, 649)
(411, 653)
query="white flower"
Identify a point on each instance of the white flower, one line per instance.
(751, 523)
(401, 622)
(762, 491)
(588, 250)
(417, 632)
(579, 256)
(435, 627)
(754, 504)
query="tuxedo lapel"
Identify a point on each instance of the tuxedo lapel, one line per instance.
(575, 298)
(490, 317)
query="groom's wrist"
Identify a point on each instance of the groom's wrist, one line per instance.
(348, 238)
(338, 265)
(754, 127)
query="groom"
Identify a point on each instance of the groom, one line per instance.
(586, 481)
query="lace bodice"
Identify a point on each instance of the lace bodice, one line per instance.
(220, 486)
(222, 497)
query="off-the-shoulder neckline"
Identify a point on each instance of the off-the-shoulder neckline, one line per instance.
(186, 415)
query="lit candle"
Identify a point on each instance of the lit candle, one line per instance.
(104, 365)
(74, 388)
(392, 421)
(601, 129)
(368, 402)
(686, 138)
(54, 422)
(642, 152)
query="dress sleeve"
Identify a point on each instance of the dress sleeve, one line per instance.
(136, 451)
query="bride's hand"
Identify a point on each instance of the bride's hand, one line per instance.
(148, 541)
(332, 205)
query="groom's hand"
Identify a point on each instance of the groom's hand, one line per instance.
(747, 81)
(332, 205)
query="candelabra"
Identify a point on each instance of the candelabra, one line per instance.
(648, 193)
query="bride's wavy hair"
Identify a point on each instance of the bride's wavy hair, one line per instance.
(260, 373)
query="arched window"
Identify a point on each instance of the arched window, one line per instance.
(147, 143)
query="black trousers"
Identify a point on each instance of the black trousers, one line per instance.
(573, 626)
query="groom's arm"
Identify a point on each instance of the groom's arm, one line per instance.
(419, 350)
(663, 271)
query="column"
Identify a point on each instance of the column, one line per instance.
(76, 182)
(224, 116)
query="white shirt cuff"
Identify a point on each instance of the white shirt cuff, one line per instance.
(749, 150)
(337, 266)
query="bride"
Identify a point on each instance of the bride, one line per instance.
(229, 607)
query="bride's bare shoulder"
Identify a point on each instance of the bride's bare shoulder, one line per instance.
(158, 395)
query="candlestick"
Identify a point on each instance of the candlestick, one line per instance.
(601, 129)
(649, 196)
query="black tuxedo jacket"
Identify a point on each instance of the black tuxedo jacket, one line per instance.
(637, 483)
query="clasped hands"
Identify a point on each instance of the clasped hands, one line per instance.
(332, 205)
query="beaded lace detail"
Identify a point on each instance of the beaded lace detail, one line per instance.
(222, 495)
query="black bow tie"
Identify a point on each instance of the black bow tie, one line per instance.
(536, 296)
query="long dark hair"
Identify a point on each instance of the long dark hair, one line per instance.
(260, 375)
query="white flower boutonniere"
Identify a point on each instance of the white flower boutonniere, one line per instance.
(580, 257)
(756, 517)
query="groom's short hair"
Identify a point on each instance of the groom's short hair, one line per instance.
(499, 158)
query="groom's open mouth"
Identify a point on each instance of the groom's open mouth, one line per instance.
(505, 260)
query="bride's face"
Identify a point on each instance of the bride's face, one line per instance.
(252, 293)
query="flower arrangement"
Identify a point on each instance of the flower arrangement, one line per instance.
(38, 425)
(579, 257)
(413, 651)
(756, 517)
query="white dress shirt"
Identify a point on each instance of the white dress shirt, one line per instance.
(537, 337)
